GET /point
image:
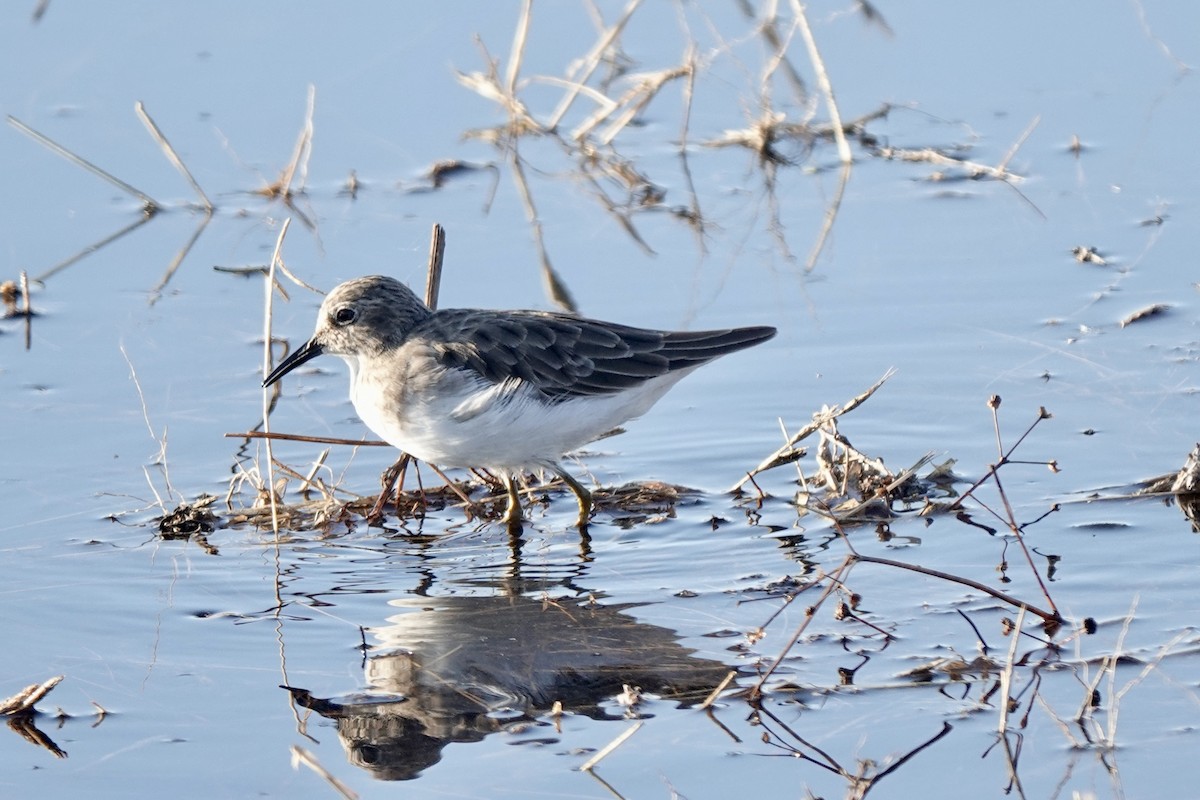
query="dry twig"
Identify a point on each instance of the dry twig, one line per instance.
(23, 701)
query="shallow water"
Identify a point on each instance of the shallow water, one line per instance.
(433, 650)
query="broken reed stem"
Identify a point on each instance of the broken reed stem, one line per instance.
(608, 748)
(394, 473)
(716, 693)
(170, 152)
(1012, 151)
(433, 275)
(26, 302)
(306, 480)
(591, 61)
(266, 397)
(928, 155)
(1007, 673)
(283, 267)
(150, 206)
(299, 162)
(516, 55)
(814, 55)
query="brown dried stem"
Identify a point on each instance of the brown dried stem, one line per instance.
(294, 437)
(1005, 457)
(1049, 617)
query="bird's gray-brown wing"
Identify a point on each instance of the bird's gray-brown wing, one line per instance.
(565, 356)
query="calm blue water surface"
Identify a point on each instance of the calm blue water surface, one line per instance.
(429, 652)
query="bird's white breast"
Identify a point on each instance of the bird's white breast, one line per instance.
(452, 418)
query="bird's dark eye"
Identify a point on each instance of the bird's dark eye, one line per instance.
(344, 315)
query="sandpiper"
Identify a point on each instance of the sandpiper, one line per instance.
(502, 390)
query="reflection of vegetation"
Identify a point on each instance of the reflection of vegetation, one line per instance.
(867, 773)
(595, 124)
(603, 78)
(287, 188)
(150, 207)
(852, 489)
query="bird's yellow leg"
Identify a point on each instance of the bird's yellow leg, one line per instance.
(581, 494)
(512, 514)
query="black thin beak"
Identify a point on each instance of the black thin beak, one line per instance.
(311, 349)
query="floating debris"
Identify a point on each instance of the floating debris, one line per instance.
(1088, 255)
(23, 701)
(188, 519)
(1156, 310)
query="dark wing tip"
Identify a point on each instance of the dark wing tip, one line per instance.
(701, 346)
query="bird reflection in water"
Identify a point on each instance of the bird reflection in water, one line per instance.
(458, 668)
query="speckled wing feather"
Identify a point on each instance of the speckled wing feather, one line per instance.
(565, 356)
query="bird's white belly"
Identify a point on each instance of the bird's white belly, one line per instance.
(457, 422)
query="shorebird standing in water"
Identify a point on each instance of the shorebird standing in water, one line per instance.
(502, 390)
